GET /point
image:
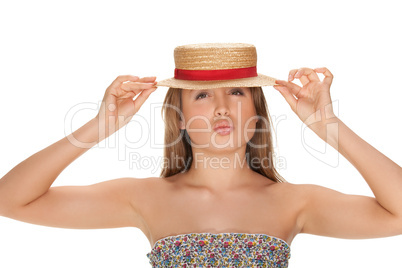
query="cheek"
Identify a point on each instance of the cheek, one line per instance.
(196, 120)
(248, 111)
(249, 122)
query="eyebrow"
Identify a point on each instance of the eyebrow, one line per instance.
(212, 89)
(196, 91)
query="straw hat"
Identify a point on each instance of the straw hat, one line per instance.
(213, 65)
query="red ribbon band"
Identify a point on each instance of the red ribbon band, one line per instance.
(208, 75)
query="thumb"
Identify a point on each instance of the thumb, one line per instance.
(290, 99)
(142, 97)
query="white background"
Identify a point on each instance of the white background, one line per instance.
(55, 55)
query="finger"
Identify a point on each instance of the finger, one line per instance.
(328, 75)
(289, 97)
(309, 73)
(292, 74)
(139, 101)
(135, 87)
(293, 88)
(304, 80)
(147, 79)
(128, 95)
(123, 78)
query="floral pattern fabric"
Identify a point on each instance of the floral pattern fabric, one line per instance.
(220, 250)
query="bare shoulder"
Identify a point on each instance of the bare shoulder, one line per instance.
(130, 185)
(143, 189)
(292, 196)
(290, 190)
(298, 189)
(305, 191)
(300, 193)
(149, 182)
(141, 186)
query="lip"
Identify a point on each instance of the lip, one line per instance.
(222, 124)
(223, 130)
(223, 127)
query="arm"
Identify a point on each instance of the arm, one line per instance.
(26, 193)
(332, 213)
(383, 176)
(32, 178)
(328, 212)
(108, 204)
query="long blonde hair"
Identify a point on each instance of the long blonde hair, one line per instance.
(178, 152)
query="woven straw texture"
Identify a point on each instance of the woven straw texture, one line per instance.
(216, 56)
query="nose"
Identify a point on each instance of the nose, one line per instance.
(222, 108)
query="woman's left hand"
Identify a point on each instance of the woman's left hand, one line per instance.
(312, 103)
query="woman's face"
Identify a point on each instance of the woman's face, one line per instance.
(204, 110)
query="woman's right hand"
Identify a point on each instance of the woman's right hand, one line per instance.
(118, 105)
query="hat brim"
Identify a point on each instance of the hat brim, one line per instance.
(257, 81)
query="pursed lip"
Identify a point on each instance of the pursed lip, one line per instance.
(222, 124)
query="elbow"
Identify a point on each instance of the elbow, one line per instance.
(399, 225)
(3, 210)
(3, 207)
(395, 225)
(6, 208)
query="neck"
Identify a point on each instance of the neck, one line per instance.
(219, 170)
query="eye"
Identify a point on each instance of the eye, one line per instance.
(200, 95)
(238, 90)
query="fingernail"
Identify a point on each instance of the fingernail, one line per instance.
(290, 77)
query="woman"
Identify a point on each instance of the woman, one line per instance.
(219, 200)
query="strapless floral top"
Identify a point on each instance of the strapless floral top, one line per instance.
(220, 250)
